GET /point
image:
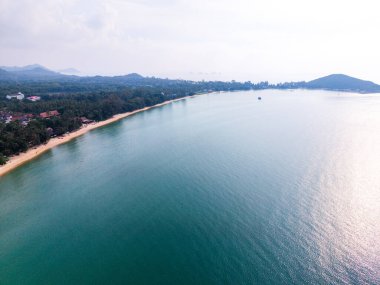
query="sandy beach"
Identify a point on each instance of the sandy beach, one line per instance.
(32, 153)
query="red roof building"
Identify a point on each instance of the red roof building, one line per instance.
(34, 98)
(49, 114)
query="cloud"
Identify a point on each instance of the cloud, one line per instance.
(246, 39)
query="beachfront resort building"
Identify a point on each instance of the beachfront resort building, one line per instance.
(18, 96)
(34, 98)
(49, 114)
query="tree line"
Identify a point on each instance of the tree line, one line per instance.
(96, 98)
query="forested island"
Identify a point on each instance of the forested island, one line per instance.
(37, 104)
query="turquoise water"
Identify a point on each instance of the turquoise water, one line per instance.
(217, 189)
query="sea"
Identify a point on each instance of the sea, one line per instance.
(221, 188)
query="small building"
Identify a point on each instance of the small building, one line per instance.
(49, 114)
(33, 98)
(84, 120)
(18, 96)
(5, 117)
(50, 132)
(17, 118)
(25, 118)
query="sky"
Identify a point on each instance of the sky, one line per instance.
(271, 40)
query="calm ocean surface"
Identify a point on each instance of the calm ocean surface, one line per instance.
(217, 189)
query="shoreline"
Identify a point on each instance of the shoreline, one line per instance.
(20, 159)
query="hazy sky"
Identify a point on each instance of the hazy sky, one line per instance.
(212, 39)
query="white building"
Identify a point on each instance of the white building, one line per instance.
(18, 96)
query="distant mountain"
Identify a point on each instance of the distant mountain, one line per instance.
(3, 72)
(34, 72)
(129, 79)
(22, 68)
(37, 71)
(5, 75)
(341, 82)
(69, 71)
(133, 76)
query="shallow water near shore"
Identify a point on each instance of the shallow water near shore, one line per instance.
(217, 189)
